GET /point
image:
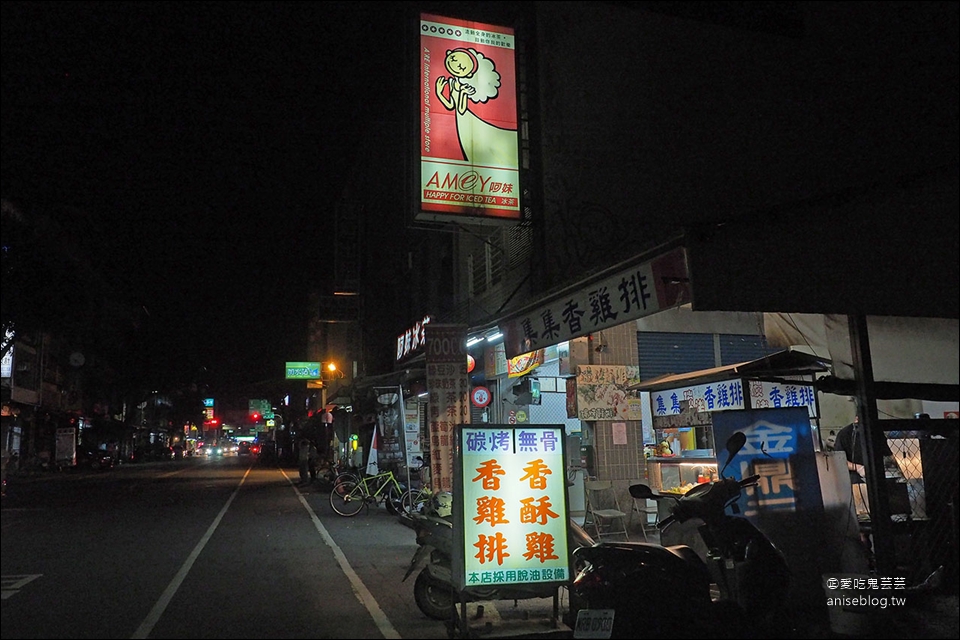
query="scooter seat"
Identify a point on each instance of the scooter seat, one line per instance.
(685, 553)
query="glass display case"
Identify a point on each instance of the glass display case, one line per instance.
(679, 474)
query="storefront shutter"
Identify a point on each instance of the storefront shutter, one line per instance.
(743, 348)
(663, 352)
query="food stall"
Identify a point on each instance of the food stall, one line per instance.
(683, 407)
(773, 401)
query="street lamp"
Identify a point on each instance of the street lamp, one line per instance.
(328, 371)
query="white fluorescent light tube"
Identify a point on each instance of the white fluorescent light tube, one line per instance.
(473, 341)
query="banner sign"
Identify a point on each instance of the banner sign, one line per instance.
(524, 364)
(448, 386)
(628, 294)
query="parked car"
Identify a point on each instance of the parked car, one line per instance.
(94, 459)
(152, 452)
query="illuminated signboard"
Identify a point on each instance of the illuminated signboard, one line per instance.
(469, 162)
(510, 506)
(411, 341)
(726, 395)
(303, 371)
(779, 449)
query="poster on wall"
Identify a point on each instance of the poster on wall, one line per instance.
(601, 392)
(469, 160)
(495, 361)
(510, 506)
(66, 446)
(411, 417)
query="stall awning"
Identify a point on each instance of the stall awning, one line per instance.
(787, 364)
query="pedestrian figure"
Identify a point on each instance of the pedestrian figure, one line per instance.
(313, 456)
(851, 440)
(303, 458)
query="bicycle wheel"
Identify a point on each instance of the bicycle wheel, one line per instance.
(346, 475)
(342, 484)
(393, 501)
(414, 500)
(347, 498)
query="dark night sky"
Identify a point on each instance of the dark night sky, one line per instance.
(198, 148)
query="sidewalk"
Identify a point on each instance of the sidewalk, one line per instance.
(931, 614)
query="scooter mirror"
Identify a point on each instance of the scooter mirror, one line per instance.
(734, 443)
(640, 491)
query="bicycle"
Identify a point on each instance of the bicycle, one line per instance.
(414, 500)
(338, 471)
(350, 495)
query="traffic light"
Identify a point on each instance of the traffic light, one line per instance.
(255, 416)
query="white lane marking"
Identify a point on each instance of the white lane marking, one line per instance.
(359, 589)
(10, 584)
(143, 631)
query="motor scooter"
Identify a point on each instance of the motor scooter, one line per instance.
(636, 589)
(433, 588)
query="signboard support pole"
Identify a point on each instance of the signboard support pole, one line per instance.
(460, 617)
(403, 435)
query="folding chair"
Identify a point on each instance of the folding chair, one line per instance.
(603, 510)
(644, 508)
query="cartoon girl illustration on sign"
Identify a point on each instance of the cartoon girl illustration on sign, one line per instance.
(474, 77)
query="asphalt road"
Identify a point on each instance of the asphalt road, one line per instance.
(205, 548)
(228, 548)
